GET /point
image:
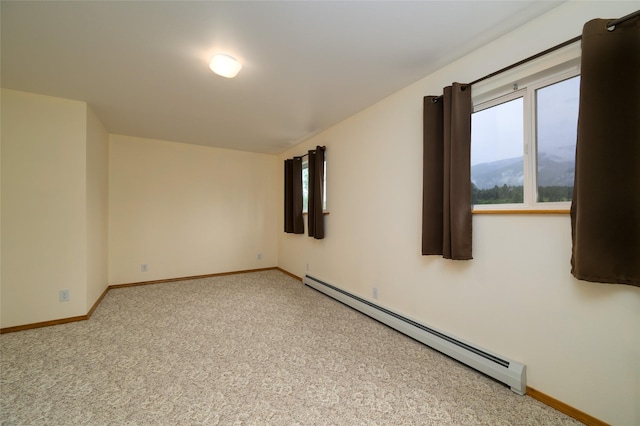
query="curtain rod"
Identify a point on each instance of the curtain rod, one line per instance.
(621, 20)
(610, 25)
(304, 155)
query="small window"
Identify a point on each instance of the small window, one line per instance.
(523, 143)
(305, 186)
(497, 163)
(556, 126)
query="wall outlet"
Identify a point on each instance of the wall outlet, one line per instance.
(259, 256)
(375, 292)
(144, 267)
(307, 267)
(64, 295)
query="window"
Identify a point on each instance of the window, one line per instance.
(556, 126)
(305, 186)
(497, 165)
(523, 140)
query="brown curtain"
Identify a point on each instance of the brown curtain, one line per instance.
(446, 202)
(605, 211)
(316, 191)
(293, 219)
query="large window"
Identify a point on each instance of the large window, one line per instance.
(523, 142)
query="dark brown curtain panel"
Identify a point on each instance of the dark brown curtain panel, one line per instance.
(605, 211)
(316, 191)
(293, 219)
(446, 202)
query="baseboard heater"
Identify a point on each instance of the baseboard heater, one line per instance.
(509, 372)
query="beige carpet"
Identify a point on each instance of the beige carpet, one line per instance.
(251, 349)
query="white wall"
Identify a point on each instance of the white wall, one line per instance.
(189, 210)
(43, 208)
(579, 340)
(97, 171)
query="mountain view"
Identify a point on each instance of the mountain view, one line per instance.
(501, 181)
(498, 136)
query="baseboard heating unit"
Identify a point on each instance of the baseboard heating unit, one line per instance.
(509, 372)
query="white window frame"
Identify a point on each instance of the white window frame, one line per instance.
(523, 81)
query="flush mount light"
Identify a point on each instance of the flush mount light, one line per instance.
(225, 66)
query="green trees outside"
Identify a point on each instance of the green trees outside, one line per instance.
(554, 193)
(504, 194)
(507, 194)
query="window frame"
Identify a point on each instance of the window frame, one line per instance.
(305, 206)
(524, 81)
(508, 97)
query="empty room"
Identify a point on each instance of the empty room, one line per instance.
(320, 212)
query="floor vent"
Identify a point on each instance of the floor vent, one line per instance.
(509, 372)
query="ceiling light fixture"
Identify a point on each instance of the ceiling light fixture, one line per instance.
(225, 66)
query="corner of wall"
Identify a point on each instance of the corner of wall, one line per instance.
(44, 208)
(97, 207)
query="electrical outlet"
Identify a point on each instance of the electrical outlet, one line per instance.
(259, 256)
(375, 292)
(307, 267)
(64, 295)
(144, 267)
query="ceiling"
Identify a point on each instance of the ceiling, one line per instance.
(307, 65)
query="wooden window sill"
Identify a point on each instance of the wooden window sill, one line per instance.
(521, 211)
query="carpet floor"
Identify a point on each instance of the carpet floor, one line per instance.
(249, 349)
